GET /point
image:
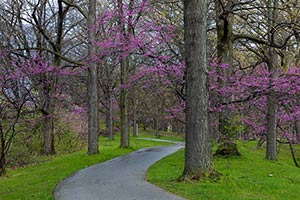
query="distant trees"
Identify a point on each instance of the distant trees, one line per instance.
(138, 67)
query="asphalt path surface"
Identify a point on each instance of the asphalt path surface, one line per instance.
(122, 178)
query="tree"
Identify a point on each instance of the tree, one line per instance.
(271, 152)
(93, 124)
(198, 154)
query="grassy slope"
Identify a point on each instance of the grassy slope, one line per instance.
(38, 181)
(247, 177)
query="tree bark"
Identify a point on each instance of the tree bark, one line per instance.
(124, 140)
(157, 122)
(109, 123)
(225, 55)
(48, 128)
(2, 151)
(297, 127)
(2, 163)
(198, 155)
(271, 143)
(135, 126)
(93, 126)
(124, 143)
(134, 107)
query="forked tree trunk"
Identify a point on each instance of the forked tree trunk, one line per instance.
(93, 126)
(198, 154)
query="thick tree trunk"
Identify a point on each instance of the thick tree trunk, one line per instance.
(271, 151)
(48, 115)
(93, 126)
(225, 55)
(48, 131)
(124, 140)
(198, 155)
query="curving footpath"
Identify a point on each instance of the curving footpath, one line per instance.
(122, 178)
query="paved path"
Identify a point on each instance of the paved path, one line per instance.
(118, 179)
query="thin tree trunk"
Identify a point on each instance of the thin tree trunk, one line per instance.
(135, 127)
(2, 163)
(2, 151)
(110, 117)
(124, 143)
(271, 151)
(93, 124)
(157, 122)
(297, 127)
(198, 155)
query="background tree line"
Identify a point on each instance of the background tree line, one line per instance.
(68, 67)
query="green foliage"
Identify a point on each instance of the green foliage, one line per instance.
(246, 177)
(38, 181)
(66, 140)
(227, 148)
(27, 145)
(234, 127)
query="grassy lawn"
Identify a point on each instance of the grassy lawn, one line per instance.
(163, 135)
(38, 181)
(247, 177)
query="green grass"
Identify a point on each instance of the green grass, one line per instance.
(164, 135)
(38, 181)
(247, 177)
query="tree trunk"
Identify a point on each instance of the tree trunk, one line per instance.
(135, 127)
(157, 127)
(157, 122)
(93, 126)
(2, 151)
(271, 151)
(124, 140)
(124, 143)
(2, 163)
(198, 155)
(297, 129)
(225, 55)
(48, 130)
(109, 117)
